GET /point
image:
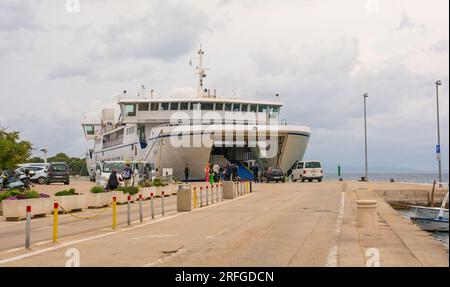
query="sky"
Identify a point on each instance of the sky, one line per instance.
(64, 60)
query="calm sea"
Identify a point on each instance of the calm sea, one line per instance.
(398, 177)
(402, 177)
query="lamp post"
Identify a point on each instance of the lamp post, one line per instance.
(438, 148)
(365, 96)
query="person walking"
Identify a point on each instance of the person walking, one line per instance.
(126, 174)
(255, 170)
(187, 169)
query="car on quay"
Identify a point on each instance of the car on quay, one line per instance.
(307, 171)
(40, 172)
(273, 174)
(58, 172)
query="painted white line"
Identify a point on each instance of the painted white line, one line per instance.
(266, 209)
(59, 246)
(332, 259)
(155, 236)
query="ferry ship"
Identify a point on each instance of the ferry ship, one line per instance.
(196, 130)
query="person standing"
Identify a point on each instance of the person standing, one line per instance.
(255, 170)
(113, 183)
(186, 173)
(207, 172)
(126, 174)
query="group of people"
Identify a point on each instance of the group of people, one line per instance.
(226, 172)
(114, 180)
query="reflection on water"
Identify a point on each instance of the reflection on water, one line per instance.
(440, 236)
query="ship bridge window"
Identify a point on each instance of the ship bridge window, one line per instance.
(207, 106)
(244, 107)
(130, 110)
(253, 108)
(164, 106)
(143, 107)
(227, 107)
(184, 106)
(195, 106)
(274, 109)
(236, 107)
(89, 129)
(174, 106)
(262, 108)
(154, 106)
(219, 106)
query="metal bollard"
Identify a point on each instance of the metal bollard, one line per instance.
(212, 194)
(162, 203)
(195, 197)
(221, 191)
(201, 196)
(217, 193)
(28, 228)
(207, 199)
(55, 222)
(114, 207)
(251, 187)
(152, 205)
(141, 215)
(129, 210)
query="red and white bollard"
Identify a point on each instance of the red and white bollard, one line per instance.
(152, 205)
(141, 215)
(28, 228)
(129, 210)
(201, 196)
(162, 203)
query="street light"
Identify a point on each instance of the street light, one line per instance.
(438, 147)
(365, 96)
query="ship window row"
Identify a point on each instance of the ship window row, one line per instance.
(130, 109)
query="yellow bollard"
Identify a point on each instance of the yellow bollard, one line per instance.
(114, 207)
(55, 222)
(195, 197)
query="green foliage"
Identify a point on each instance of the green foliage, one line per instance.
(66, 192)
(9, 193)
(35, 159)
(158, 183)
(97, 189)
(12, 150)
(32, 194)
(131, 190)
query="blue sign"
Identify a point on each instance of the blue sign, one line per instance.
(438, 148)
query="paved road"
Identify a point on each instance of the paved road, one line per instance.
(278, 225)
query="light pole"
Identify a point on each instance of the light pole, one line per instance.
(365, 96)
(438, 148)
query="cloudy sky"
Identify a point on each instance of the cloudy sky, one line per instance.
(58, 65)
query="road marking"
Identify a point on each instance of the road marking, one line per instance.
(332, 259)
(155, 236)
(62, 245)
(266, 209)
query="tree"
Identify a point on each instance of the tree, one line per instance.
(12, 150)
(35, 159)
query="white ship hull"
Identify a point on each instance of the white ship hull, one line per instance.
(164, 151)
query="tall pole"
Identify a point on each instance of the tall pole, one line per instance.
(438, 83)
(365, 96)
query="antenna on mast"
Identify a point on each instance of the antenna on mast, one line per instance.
(201, 72)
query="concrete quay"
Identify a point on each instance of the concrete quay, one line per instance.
(292, 224)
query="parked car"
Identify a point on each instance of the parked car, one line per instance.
(274, 174)
(40, 172)
(308, 170)
(58, 172)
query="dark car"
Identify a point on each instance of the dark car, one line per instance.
(274, 174)
(58, 172)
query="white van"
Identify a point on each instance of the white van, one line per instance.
(307, 170)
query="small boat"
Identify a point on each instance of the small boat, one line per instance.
(432, 218)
